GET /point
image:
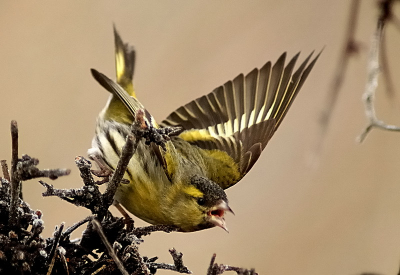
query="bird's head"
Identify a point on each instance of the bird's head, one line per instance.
(202, 204)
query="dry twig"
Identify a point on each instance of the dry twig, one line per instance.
(177, 266)
(107, 244)
(216, 269)
(72, 228)
(15, 180)
(349, 49)
(52, 255)
(127, 152)
(386, 14)
(6, 173)
(372, 82)
(147, 230)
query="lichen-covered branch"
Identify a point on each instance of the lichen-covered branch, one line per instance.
(216, 269)
(147, 230)
(26, 170)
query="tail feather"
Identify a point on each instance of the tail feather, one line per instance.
(124, 63)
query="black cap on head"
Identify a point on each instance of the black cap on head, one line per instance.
(213, 193)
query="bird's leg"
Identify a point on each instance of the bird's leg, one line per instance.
(104, 171)
(128, 220)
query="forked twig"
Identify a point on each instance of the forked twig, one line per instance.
(143, 269)
(177, 266)
(217, 269)
(372, 84)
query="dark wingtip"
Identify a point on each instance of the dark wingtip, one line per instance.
(117, 37)
(282, 57)
(101, 79)
(95, 74)
(320, 52)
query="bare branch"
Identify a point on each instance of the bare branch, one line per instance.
(147, 230)
(177, 257)
(61, 254)
(97, 227)
(372, 84)
(390, 90)
(26, 170)
(15, 180)
(84, 167)
(52, 254)
(350, 48)
(99, 270)
(386, 15)
(72, 228)
(177, 266)
(6, 173)
(143, 269)
(210, 267)
(65, 194)
(127, 152)
(216, 269)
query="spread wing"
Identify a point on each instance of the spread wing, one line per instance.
(239, 118)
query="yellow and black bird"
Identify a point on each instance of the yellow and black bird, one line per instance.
(223, 135)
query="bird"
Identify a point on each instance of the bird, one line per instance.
(182, 183)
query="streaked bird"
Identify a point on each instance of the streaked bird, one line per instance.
(224, 133)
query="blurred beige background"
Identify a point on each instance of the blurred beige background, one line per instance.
(340, 216)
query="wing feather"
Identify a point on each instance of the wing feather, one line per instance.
(251, 80)
(264, 76)
(240, 117)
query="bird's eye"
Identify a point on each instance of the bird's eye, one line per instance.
(201, 201)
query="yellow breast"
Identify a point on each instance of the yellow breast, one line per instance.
(143, 195)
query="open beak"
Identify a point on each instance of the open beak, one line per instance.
(216, 214)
